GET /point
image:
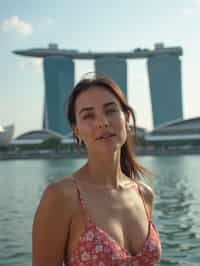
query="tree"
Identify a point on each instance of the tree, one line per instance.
(51, 143)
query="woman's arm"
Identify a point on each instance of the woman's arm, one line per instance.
(51, 226)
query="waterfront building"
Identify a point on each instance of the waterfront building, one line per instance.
(179, 131)
(164, 69)
(59, 80)
(6, 134)
(115, 68)
(165, 87)
(35, 137)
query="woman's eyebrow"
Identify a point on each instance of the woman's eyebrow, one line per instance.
(86, 109)
(109, 103)
(92, 108)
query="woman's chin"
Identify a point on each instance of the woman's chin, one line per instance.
(108, 149)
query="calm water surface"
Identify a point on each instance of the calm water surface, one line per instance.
(176, 213)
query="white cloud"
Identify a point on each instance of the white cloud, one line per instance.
(189, 11)
(192, 10)
(34, 64)
(16, 24)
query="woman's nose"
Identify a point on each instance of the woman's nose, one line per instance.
(102, 122)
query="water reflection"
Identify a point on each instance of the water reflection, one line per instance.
(177, 205)
(174, 211)
(57, 169)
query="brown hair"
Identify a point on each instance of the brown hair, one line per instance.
(129, 165)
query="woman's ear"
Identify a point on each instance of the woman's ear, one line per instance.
(127, 119)
(77, 135)
(75, 131)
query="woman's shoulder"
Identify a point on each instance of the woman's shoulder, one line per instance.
(147, 192)
(61, 189)
(62, 186)
(59, 195)
(52, 221)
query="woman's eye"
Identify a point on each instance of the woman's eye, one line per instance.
(88, 116)
(110, 111)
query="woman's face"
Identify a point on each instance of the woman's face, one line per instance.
(100, 121)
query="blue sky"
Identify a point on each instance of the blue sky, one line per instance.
(105, 25)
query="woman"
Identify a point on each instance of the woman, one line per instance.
(101, 215)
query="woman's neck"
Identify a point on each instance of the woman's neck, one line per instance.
(104, 171)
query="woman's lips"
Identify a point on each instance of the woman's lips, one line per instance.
(106, 136)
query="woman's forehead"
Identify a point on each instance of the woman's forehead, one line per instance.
(95, 96)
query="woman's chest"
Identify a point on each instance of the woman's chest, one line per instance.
(122, 218)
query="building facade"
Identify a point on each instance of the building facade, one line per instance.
(115, 68)
(164, 71)
(165, 88)
(59, 81)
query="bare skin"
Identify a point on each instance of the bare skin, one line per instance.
(112, 199)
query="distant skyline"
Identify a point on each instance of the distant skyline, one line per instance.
(100, 26)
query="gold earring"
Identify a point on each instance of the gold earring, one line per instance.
(128, 128)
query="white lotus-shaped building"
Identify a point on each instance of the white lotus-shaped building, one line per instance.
(6, 134)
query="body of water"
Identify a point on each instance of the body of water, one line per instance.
(176, 210)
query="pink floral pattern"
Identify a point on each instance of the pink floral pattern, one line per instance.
(97, 248)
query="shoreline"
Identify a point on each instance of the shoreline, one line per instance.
(82, 155)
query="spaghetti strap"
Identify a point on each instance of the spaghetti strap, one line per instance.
(82, 203)
(144, 203)
(97, 247)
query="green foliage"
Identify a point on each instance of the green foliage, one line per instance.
(51, 143)
(4, 148)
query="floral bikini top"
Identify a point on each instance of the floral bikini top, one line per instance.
(96, 248)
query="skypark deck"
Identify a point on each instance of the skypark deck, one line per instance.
(53, 50)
